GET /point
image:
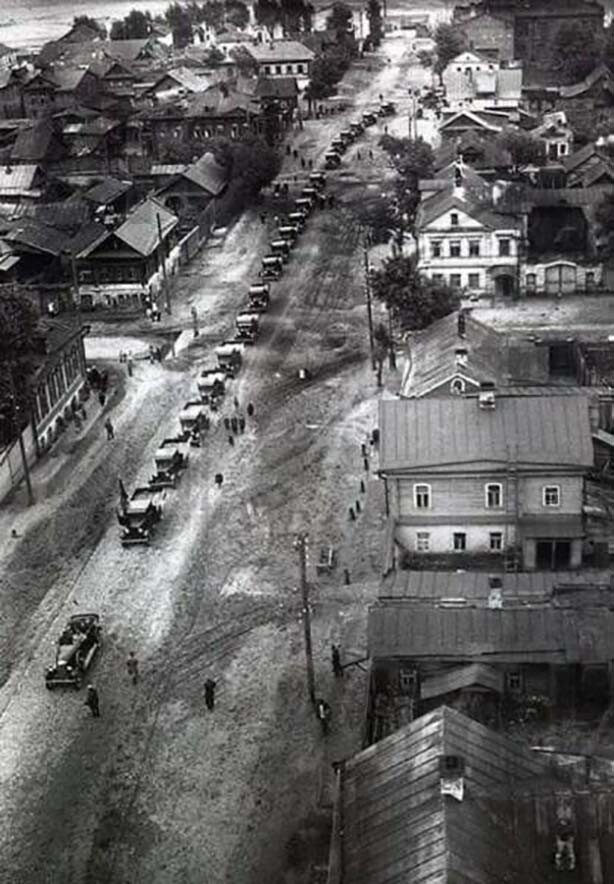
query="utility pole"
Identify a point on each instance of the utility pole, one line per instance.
(300, 544)
(167, 291)
(369, 305)
(18, 431)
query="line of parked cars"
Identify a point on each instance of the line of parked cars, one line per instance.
(339, 145)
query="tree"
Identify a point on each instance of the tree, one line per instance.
(180, 23)
(413, 300)
(525, 149)
(384, 346)
(90, 23)
(576, 51)
(237, 14)
(135, 26)
(604, 215)
(449, 42)
(376, 25)
(413, 160)
(18, 321)
(254, 163)
(340, 21)
(426, 58)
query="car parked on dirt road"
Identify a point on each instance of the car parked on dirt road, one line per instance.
(76, 648)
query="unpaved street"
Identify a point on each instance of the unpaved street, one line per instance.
(159, 789)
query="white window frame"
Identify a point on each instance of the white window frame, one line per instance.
(456, 534)
(418, 492)
(487, 487)
(475, 245)
(456, 248)
(423, 541)
(546, 492)
(498, 543)
(436, 248)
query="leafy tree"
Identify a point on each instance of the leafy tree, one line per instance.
(413, 300)
(376, 25)
(237, 14)
(267, 13)
(384, 345)
(604, 215)
(576, 51)
(413, 160)
(135, 26)
(18, 321)
(254, 163)
(426, 58)
(90, 22)
(525, 149)
(326, 71)
(449, 42)
(180, 23)
(247, 66)
(340, 21)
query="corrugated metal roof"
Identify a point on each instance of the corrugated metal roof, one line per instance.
(537, 430)
(460, 677)
(546, 635)
(397, 827)
(19, 178)
(207, 173)
(476, 587)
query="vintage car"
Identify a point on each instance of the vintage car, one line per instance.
(247, 327)
(230, 357)
(272, 267)
(76, 648)
(332, 159)
(281, 247)
(140, 513)
(170, 459)
(317, 180)
(211, 384)
(194, 421)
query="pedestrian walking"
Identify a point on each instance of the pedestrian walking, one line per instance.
(371, 155)
(357, 506)
(288, 150)
(236, 402)
(241, 424)
(324, 713)
(234, 425)
(358, 157)
(362, 486)
(346, 576)
(336, 661)
(219, 478)
(352, 514)
(210, 686)
(102, 399)
(295, 154)
(310, 163)
(227, 423)
(129, 364)
(250, 410)
(385, 130)
(132, 665)
(381, 97)
(365, 463)
(231, 441)
(363, 449)
(109, 428)
(302, 163)
(92, 701)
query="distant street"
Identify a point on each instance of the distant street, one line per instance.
(159, 789)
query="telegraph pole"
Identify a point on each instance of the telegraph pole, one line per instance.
(164, 276)
(300, 544)
(369, 305)
(18, 431)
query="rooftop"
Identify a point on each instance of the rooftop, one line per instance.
(185, 78)
(280, 51)
(17, 179)
(544, 634)
(536, 431)
(140, 229)
(107, 190)
(207, 174)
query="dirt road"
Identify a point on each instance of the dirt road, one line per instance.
(159, 789)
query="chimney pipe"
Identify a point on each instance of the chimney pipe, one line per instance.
(461, 324)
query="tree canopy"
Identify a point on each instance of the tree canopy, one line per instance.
(413, 160)
(576, 51)
(180, 23)
(18, 321)
(413, 300)
(449, 42)
(136, 25)
(295, 16)
(90, 22)
(340, 21)
(525, 149)
(376, 24)
(604, 215)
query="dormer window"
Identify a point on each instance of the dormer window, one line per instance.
(457, 387)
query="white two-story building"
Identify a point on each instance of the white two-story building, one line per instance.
(466, 244)
(488, 474)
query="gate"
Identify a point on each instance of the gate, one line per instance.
(561, 279)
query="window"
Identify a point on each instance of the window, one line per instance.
(473, 280)
(288, 68)
(436, 248)
(494, 495)
(455, 280)
(278, 69)
(437, 278)
(455, 248)
(531, 282)
(457, 387)
(454, 219)
(408, 680)
(299, 69)
(460, 541)
(496, 541)
(423, 541)
(267, 68)
(552, 495)
(422, 496)
(514, 682)
(474, 248)
(590, 281)
(504, 247)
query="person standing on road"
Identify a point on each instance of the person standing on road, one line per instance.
(250, 410)
(109, 428)
(210, 686)
(102, 399)
(324, 713)
(129, 363)
(241, 423)
(336, 661)
(92, 701)
(132, 665)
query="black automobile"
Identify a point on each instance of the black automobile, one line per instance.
(76, 648)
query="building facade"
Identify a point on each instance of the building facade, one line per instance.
(491, 36)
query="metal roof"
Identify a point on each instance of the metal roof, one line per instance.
(280, 51)
(398, 828)
(17, 178)
(107, 190)
(184, 77)
(538, 635)
(476, 588)
(208, 174)
(140, 229)
(440, 432)
(460, 677)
